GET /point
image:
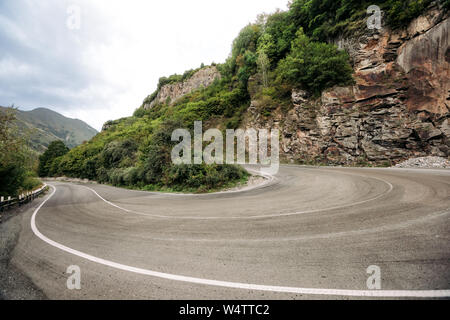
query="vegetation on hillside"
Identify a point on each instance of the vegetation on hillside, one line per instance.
(17, 161)
(314, 65)
(136, 153)
(169, 80)
(325, 19)
(55, 150)
(46, 126)
(279, 52)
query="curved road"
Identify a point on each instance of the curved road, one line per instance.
(308, 233)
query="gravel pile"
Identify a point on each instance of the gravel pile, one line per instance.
(425, 162)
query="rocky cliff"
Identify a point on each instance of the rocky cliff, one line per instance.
(174, 91)
(398, 107)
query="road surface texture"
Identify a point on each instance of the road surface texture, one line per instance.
(308, 233)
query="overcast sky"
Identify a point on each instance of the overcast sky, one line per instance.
(101, 63)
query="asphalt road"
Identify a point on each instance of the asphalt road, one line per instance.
(305, 234)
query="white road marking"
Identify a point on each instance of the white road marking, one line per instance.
(309, 237)
(235, 285)
(391, 187)
(384, 228)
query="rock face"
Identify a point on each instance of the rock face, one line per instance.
(425, 60)
(398, 107)
(172, 92)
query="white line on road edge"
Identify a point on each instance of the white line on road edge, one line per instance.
(236, 285)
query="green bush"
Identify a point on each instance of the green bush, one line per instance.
(315, 66)
(55, 149)
(115, 177)
(102, 175)
(203, 177)
(90, 168)
(139, 112)
(30, 182)
(131, 176)
(279, 33)
(54, 170)
(156, 161)
(246, 41)
(12, 177)
(400, 13)
(118, 153)
(17, 161)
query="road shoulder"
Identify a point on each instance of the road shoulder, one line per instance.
(14, 283)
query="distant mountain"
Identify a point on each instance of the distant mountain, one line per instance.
(47, 126)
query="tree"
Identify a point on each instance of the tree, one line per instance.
(278, 35)
(315, 66)
(14, 154)
(55, 150)
(11, 143)
(263, 65)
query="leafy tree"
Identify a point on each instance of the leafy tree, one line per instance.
(16, 159)
(279, 33)
(267, 45)
(315, 66)
(247, 40)
(247, 67)
(55, 149)
(263, 65)
(12, 176)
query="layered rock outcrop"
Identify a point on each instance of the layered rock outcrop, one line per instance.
(172, 92)
(399, 106)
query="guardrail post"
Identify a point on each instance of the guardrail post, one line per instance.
(21, 199)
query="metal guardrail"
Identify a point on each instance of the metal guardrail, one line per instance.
(9, 202)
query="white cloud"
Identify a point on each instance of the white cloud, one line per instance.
(106, 68)
(12, 68)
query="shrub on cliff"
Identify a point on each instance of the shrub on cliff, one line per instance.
(315, 66)
(401, 12)
(325, 19)
(118, 153)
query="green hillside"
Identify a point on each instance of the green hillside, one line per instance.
(44, 126)
(285, 50)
